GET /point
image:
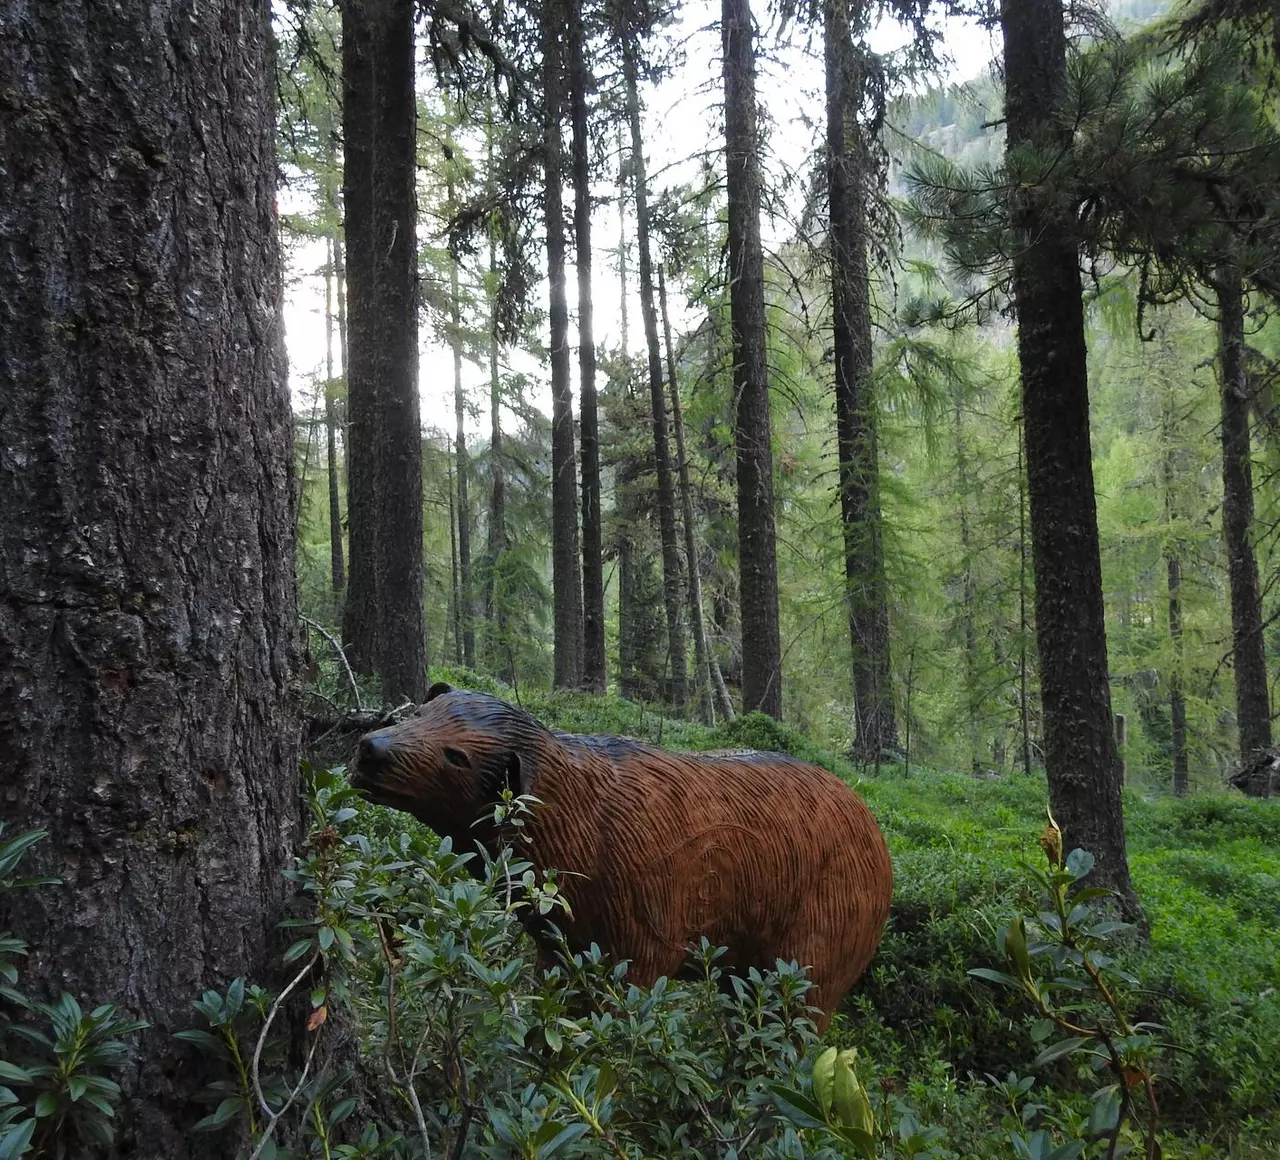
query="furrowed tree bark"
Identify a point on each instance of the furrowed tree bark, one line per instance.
(701, 650)
(466, 589)
(147, 599)
(757, 550)
(1253, 713)
(593, 660)
(566, 577)
(866, 589)
(672, 581)
(1083, 765)
(395, 285)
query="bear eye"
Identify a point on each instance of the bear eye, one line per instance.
(456, 757)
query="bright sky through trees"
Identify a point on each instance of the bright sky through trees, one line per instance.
(681, 126)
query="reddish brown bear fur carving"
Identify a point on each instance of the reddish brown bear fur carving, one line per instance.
(768, 856)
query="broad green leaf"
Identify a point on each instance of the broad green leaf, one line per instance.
(16, 1139)
(1079, 863)
(1059, 1049)
(823, 1080)
(991, 976)
(797, 1107)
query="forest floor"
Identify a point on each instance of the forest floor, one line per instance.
(1207, 870)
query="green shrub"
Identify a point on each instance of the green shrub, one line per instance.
(55, 1054)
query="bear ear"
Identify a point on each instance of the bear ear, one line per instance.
(438, 690)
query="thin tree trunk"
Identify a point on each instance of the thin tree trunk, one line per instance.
(1253, 714)
(672, 581)
(340, 286)
(147, 597)
(1085, 777)
(1173, 569)
(566, 575)
(866, 587)
(1177, 702)
(466, 589)
(757, 551)
(494, 608)
(622, 237)
(361, 614)
(1024, 706)
(455, 602)
(337, 564)
(626, 614)
(968, 597)
(701, 650)
(385, 620)
(593, 662)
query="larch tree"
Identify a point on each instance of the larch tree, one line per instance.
(1248, 647)
(593, 653)
(147, 635)
(757, 543)
(1085, 776)
(703, 660)
(566, 576)
(332, 388)
(866, 589)
(462, 461)
(384, 626)
(672, 579)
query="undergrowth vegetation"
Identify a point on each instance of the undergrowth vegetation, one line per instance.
(1004, 1015)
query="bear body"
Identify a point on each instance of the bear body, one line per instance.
(766, 855)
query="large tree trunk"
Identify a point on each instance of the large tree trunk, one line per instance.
(701, 650)
(1085, 777)
(593, 662)
(866, 589)
(672, 582)
(466, 599)
(566, 577)
(384, 626)
(1253, 714)
(757, 551)
(146, 552)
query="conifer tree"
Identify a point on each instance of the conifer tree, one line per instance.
(672, 580)
(384, 626)
(566, 572)
(1084, 770)
(757, 549)
(848, 179)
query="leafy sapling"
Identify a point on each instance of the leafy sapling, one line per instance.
(1059, 960)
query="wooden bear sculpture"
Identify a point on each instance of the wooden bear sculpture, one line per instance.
(768, 856)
